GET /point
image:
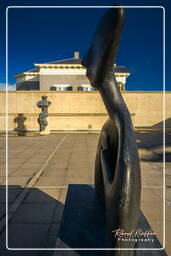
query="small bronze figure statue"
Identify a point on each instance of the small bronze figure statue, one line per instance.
(117, 167)
(43, 104)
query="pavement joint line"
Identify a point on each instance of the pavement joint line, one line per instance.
(28, 186)
(168, 203)
(152, 186)
(25, 161)
(50, 187)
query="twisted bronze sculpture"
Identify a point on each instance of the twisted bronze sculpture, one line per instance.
(43, 104)
(117, 167)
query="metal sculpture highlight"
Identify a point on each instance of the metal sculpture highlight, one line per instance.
(43, 104)
(117, 166)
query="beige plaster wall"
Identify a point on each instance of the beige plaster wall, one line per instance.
(80, 110)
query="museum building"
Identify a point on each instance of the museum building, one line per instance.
(63, 75)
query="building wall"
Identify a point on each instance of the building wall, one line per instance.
(46, 81)
(82, 110)
(28, 85)
(24, 78)
(49, 77)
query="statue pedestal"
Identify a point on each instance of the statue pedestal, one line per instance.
(83, 225)
(45, 132)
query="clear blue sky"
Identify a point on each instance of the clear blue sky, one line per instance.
(43, 35)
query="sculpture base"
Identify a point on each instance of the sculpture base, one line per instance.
(45, 132)
(83, 224)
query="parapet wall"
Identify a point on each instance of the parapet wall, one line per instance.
(81, 110)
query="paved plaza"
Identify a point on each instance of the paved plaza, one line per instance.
(40, 168)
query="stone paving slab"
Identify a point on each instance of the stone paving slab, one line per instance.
(53, 171)
(41, 213)
(3, 209)
(153, 211)
(74, 164)
(14, 181)
(33, 235)
(12, 193)
(28, 172)
(149, 194)
(79, 212)
(5, 252)
(45, 195)
(50, 181)
(148, 155)
(168, 235)
(168, 213)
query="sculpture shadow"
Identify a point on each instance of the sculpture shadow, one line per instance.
(83, 224)
(20, 129)
(40, 219)
(83, 219)
(35, 223)
(160, 124)
(152, 140)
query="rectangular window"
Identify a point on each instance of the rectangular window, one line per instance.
(80, 88)
(87, 87)
(69, 88)
(52, 88)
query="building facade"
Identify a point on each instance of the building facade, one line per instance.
(64, 75)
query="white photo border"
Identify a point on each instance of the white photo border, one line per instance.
(86, 249)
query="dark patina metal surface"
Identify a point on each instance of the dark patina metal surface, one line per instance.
(83, 225)
(117, 167)
(43, 104)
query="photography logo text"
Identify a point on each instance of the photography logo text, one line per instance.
(137, 235)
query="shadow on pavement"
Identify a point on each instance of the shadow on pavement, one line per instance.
(160, 124)
(150, 143)
(35, 223)
(20, 129)
(84, 224)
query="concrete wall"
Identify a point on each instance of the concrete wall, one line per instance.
(82, 110)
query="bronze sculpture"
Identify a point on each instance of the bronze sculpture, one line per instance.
(43, 104)
(117, 167)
